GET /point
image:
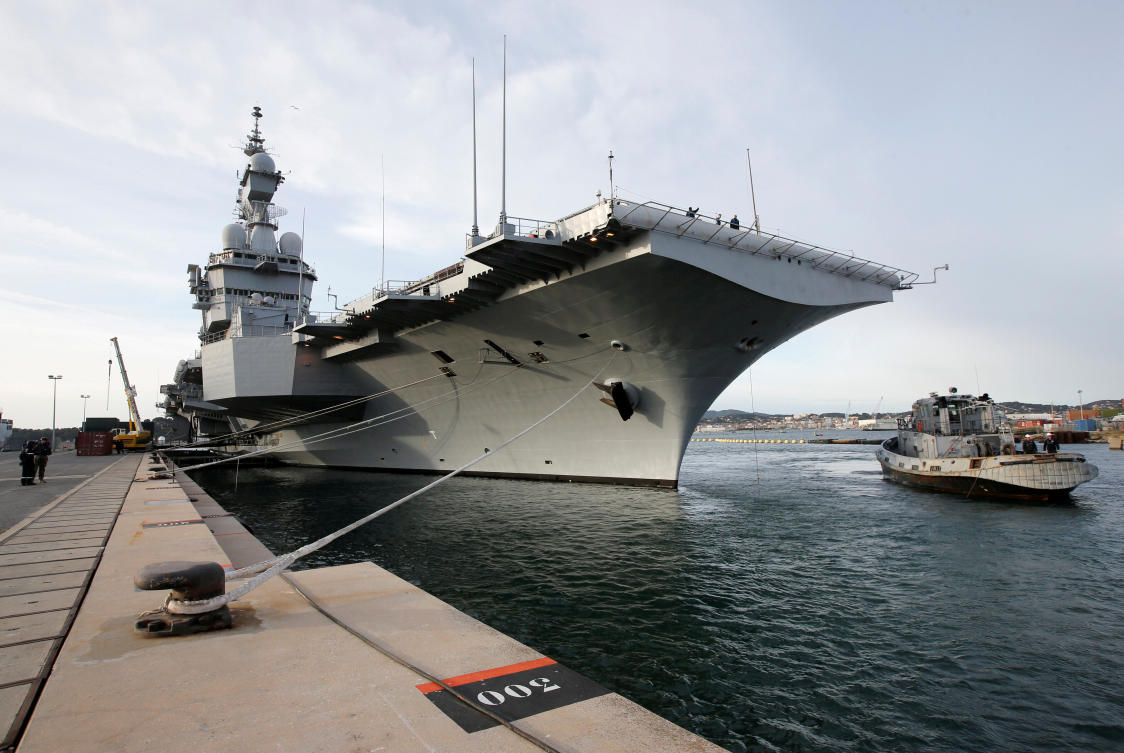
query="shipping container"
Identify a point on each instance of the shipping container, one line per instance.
(1085, 424)
(94, 443)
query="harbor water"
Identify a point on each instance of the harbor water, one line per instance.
(784, 598)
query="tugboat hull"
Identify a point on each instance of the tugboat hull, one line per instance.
(1028, 478)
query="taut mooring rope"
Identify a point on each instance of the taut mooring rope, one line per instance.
(270, 568)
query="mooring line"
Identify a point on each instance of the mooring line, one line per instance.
(269, 568)
(283, 422)
(416, 669)
(352, 428)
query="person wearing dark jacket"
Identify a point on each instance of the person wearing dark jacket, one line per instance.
(27, 464)
(41, 454)
(1029, 447)
(1050, 445)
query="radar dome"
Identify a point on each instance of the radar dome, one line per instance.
(262, 163)
(268, 300)
(233, 237)
(262, 239)
(255, 298)
(290, 244)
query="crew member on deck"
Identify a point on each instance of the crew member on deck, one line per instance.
(1029, 447)
(1049, 444)
(734, 223)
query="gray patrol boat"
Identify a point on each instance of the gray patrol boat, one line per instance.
(654, 309)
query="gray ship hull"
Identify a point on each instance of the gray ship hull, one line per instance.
(690, 318)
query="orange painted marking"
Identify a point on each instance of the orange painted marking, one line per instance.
(485, 674)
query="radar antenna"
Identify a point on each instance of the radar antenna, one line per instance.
(254, 140)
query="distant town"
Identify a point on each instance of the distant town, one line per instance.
(1098, 415)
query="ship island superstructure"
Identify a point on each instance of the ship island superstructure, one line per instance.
(659, 308)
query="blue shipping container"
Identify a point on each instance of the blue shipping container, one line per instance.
(1085, 424)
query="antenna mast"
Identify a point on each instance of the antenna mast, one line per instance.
(503, 162)
(752, 196)
(612, 193)
(475, 226)
(382, 270)
(300, 275)
(254, 140)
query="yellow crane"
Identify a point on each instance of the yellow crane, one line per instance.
(135, 438)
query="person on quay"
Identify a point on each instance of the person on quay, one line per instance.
(1029, 447)
(42, 452)
(27, 463)
(1049, 444)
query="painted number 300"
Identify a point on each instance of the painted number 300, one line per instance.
(495, 698)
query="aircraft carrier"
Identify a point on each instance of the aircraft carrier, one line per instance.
(653, 310)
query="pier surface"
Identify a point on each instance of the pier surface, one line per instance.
(347, 658)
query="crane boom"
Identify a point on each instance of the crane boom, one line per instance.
(130, 393)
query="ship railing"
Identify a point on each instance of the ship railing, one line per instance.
(427, 286)
(249, 258)
(672, 220)
(526, 227)
(252, 330)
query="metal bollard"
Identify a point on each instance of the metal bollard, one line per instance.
(189, 581)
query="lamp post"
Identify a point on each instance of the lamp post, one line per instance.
(84, 399)
(54, 402)
(1081, 401)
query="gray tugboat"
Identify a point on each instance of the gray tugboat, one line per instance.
(964, 444)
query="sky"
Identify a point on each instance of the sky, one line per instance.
(982, 135)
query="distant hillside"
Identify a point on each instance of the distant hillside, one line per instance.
(734, 416)
(1011, 406)
(737, 415)
(1017, 406)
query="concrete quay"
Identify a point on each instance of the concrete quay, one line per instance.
(348, 658)
(46, 564)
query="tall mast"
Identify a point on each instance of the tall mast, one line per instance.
(611, 191)
(254, 140)
(382, 269)
(503, 162)
(300, 275)
(475, 226)
(752, 196)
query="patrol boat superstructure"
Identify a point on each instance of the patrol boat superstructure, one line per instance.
(661, 308)
(960, 443)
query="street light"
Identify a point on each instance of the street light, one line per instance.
(54, 395)
(84, 399)
(1080, 400)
